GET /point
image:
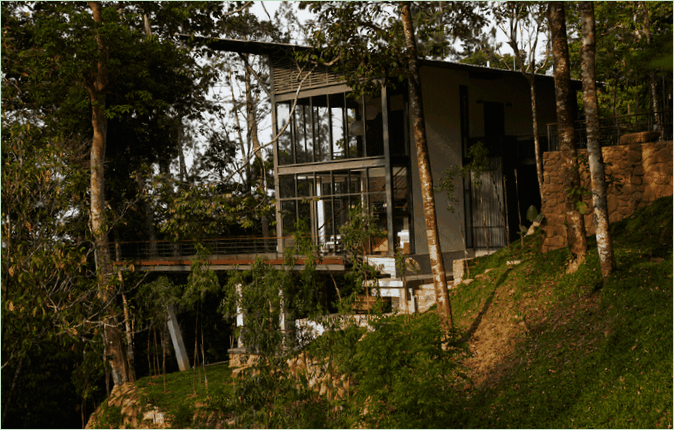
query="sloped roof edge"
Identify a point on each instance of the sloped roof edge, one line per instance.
(282, 49)
(247, 46)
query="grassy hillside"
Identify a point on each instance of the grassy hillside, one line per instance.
(547, 350)
(557, 350)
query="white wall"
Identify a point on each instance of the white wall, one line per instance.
(440, 89)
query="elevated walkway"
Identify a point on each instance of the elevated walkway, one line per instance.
(225, 254)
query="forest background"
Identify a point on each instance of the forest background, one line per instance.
(152, 101)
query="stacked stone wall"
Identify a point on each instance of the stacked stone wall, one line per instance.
(638, 174)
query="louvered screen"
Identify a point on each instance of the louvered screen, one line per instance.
(487, 206)
(288, 76)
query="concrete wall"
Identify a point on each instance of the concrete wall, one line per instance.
(440, 88)
(644, 172)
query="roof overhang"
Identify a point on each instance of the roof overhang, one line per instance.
(247, 46)
(274, 49)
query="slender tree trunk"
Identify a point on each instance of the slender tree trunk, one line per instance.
(254, 138)
(8, 394)
(598, 178)
(113, 346)
(537, 141)
(425, 176)
(576, 235)
(127, 321)
(244, 150)
(651, 74)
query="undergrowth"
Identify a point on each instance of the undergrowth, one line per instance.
(593, 354)
(579, 353)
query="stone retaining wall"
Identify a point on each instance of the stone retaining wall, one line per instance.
(639, 174)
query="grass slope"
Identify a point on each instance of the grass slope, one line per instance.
(549, 349)
(564, 351)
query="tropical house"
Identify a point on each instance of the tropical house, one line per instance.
(335, 152)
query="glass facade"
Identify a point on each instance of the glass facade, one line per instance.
(323, 199)
(343, 139)
(329, 127)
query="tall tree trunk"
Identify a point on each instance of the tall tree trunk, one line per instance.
(113, 339)
(651, 74)
(576, 236)
(254, 138)
(244, 150)
(427, 191)
(127, 320)
(537, 141)
(598, 178)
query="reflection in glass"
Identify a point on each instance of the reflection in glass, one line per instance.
(341, 182)
(288, 217)
(357, 181)
(374, 130)
(400, 188)
(304, 211)
(285, 139)
(338, 143)
(304, 144)
(356, 128)
(305, 185)
(324, 184)
(324, 218)
(286, 186)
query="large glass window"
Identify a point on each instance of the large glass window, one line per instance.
(323, 200)
(328, 127)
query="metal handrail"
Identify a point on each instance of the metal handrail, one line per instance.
(152, 249)
(612, 128)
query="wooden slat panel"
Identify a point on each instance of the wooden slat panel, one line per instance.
(288, 75)
(488, 225)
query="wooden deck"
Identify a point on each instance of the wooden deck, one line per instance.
(227, 262)
(227, 254)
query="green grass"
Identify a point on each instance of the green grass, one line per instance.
(594, 355)
(584, 353)
(186, 391)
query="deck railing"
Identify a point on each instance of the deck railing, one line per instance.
(152, 250)
(148, 250)
(611, 129)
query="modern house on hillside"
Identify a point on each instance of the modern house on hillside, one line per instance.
(336, 152)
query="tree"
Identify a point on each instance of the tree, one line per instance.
(47, 296)
(575, 224)
(66, 61)
(625, 59)
(377, 48)
(520, 16)
(597, 175)
(417, 114)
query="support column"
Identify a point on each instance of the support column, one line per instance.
(387, 175)
(177, 339)
(239, 317)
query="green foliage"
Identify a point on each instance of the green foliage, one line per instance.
(111, 416)
(368, 40)
(415, 385)
(624, 54)
(360, 231)
(532, 213)
(48, 295)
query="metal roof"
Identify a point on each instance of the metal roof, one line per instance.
(282, 49)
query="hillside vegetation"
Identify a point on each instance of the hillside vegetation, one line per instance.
(534, 347)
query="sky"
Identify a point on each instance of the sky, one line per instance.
(303, 15)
